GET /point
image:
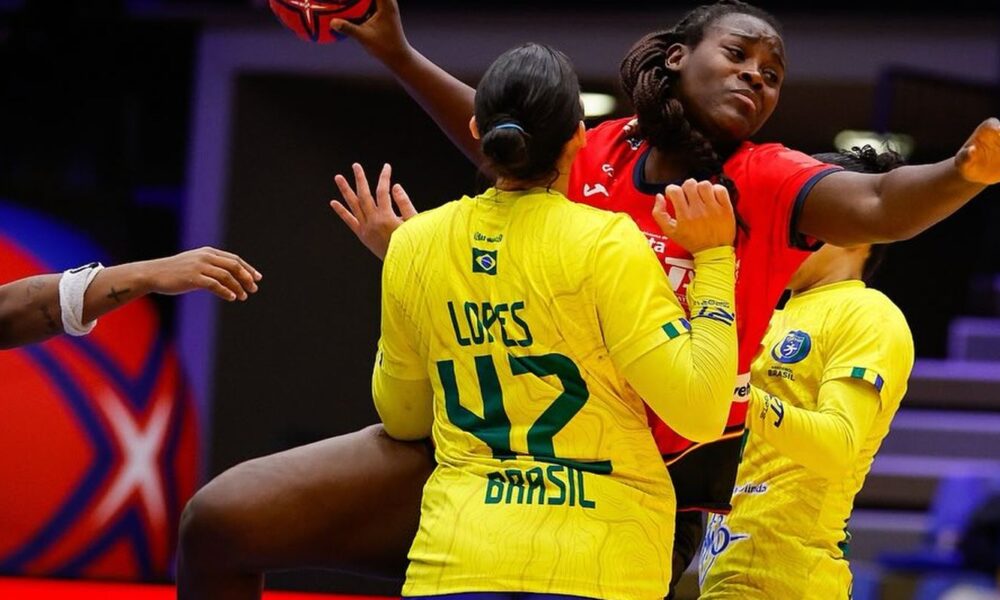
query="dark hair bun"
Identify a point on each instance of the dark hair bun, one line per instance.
(507, 148)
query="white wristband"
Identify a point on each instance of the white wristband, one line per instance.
(72, 287)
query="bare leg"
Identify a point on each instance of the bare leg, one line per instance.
(351, 502)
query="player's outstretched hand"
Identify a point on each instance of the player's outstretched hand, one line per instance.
(223, 273)
(703, 215)
(373, 219)
(381, 35)
(978, 160)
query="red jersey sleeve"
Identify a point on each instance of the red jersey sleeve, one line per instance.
(774, 182)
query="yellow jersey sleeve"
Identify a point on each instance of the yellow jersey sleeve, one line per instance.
(401, 387)
(827, 440)
(687, 380)
(635, 305)
(397, 349)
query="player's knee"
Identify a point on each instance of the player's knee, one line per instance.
(211, 526)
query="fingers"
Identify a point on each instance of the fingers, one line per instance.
(991, 125)
(207, 283)
(690, 196)
(255, 274)
(402, 200)
(706, 195)
(679, 200)
(227, 279)
(345, 215)
(350, 197)
(722, 199)
(344, 27)
(667, 223)
(382, 190)
(365, 200)
(234, 266)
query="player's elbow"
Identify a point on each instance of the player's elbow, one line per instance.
(837, 461)
(833, 468)
(707, 422)
(701, 433)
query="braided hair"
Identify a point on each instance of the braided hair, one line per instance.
(651, 86)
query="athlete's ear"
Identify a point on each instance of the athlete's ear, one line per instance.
(581, 134)
(676, 57)
(474, 128)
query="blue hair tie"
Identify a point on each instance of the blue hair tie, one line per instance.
(510, 126)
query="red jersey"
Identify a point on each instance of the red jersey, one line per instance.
(772, 182)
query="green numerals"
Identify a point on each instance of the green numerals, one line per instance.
(494, 426)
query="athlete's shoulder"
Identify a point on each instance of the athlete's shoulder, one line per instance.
(770, 157)
(876, 303)
(608, 143)
(430, 220)
(612, 129)
(868, 312)
(582, 220)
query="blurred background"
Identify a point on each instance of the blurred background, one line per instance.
(136, 129)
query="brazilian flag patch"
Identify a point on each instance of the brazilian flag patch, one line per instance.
(676, 328)
(870, 376)
(484, 261)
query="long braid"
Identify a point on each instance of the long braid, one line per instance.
(647, 81)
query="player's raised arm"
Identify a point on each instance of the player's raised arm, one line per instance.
(36, 308)
(849, 208)
(446, 99)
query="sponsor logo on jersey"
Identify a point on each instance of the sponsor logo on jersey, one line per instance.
(793, 348)
(718, 539)
(634, 142)
(775, 405)
(741, 392)
(492, 239)
(751, 488)
(484, 261)
(716, 313)
(593, 190)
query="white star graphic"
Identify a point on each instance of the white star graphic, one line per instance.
(140, 446)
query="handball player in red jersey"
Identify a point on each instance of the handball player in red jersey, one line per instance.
(700, 90)
(36, 308)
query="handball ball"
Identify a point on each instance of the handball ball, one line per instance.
(310, 19)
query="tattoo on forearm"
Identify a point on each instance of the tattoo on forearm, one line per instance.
(118, 295)
(49, 321)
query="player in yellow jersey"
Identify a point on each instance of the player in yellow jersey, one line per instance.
(524, 332)
(831, 373)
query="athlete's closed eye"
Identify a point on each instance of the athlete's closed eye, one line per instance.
(736, 53)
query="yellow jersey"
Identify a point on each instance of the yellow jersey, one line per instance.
(522, 307)
(831, 373)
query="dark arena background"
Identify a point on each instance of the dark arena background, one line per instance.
(136, 129)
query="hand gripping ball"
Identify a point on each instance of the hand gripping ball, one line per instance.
(310, 19)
